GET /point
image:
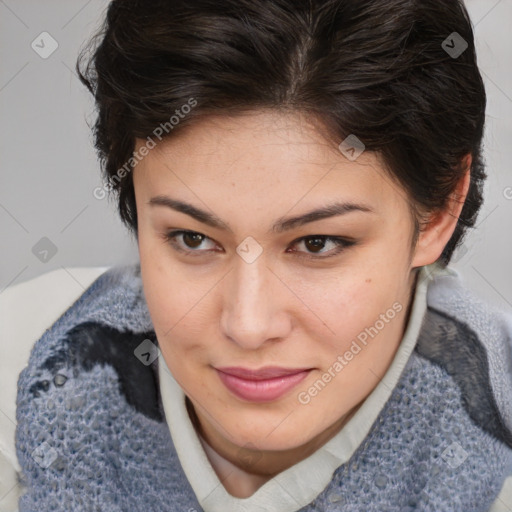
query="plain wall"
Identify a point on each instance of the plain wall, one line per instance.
(48, 166)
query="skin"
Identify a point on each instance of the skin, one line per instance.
(213, 309)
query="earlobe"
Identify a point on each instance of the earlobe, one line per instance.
(437, 233)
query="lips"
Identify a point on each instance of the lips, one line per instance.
(263, 385)
(268, 372)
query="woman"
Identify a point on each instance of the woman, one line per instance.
(297, 176)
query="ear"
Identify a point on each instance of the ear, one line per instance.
(434, 237)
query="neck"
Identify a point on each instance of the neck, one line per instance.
(242, 470)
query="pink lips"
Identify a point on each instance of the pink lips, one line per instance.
(263, 385)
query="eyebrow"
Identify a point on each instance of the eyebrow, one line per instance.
(281, 225)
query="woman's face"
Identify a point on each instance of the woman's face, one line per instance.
(261, 283)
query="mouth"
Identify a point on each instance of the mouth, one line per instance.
(263, 385)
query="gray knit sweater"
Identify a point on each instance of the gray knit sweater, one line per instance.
(91, 432)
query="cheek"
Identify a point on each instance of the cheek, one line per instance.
(353, 309)
(155, 282)
(367, 323)
(162, 287)
(176, 303)
(165, 284)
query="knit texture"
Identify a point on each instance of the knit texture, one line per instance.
(91, 432)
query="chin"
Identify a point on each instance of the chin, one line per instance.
(263, 434)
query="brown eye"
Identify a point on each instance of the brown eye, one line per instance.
(315, 243)
(191, 240)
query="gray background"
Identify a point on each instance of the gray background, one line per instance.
(48, 167)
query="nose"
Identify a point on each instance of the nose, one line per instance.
(255, 305)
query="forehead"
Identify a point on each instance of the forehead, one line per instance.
(262, 155)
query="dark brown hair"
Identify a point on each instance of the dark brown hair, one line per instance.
(391, 72)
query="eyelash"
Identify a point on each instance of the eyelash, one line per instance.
(343, 243)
